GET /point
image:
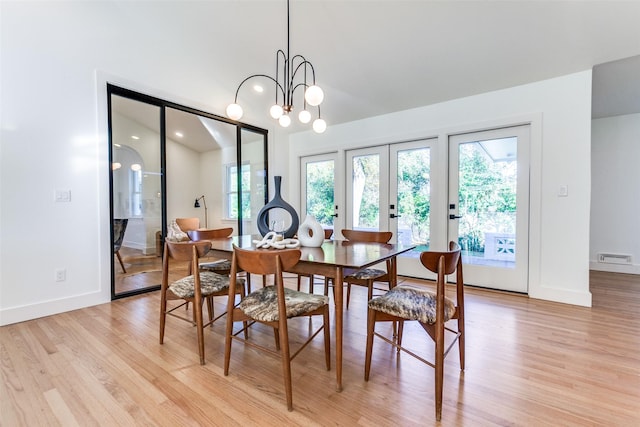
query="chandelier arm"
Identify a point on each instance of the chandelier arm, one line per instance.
(279, 86)
(284, 58)
(305, 63)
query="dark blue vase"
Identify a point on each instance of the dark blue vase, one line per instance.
(278, 202)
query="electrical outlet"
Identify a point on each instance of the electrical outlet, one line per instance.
(61, 274)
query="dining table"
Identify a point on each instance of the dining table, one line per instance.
(331, 260)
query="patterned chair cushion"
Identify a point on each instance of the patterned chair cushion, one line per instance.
(210, 283)
(367, 274)
(412, 303)
(222, 265)
(262, 304)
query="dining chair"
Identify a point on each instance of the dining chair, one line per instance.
(431, 309)
(328, 232)
(119, 228)
(222, 266)
(195, 288)
(273, 305)
(366, 276)
(188, 224)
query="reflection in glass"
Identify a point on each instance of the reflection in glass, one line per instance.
(136, 190)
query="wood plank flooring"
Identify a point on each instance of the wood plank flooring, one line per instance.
(529, 363)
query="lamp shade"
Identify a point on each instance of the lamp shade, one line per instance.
(319, 125)
(234, 111)
(314, 95)
(304, 116)
(276, 111)
(284, 120)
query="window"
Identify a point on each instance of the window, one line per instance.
(231, 185)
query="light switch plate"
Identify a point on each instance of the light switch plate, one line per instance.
(62, 196)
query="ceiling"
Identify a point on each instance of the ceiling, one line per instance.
(377, 57)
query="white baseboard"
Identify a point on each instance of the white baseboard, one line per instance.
(614, 268)
(48, 308)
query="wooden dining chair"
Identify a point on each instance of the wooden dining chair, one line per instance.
(194, 288)
(328, 232)
(273, 306)
(222, 266)
(431, 310)
(188, 224)
(119, 228)
(366, 276)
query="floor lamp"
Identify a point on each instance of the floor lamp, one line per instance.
(197, 205)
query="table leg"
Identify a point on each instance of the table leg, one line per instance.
(337, 283)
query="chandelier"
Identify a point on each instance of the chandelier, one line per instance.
(291, 74)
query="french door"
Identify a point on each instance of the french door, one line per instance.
(389, 188)
(318, 188)
(489, 206)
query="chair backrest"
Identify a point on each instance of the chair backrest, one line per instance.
(367, 236)
(328, 232)
(444, 263)
(264, 262)
(119, 228)
(183, 251)
(187, 224)
(217, 233)
(431, 259)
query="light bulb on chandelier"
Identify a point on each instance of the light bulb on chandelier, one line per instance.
(304, 116)
(284, 120)
(291, 74)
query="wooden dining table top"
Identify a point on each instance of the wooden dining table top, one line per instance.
(332, 252)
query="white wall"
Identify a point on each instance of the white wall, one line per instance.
(559, 111)
(615, 188)
(55, 60)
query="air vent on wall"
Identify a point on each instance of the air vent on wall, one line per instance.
(614, 258)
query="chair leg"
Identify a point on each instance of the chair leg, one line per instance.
(276, 335)
(197, 307)
(439, 368)
(286, 365)
(399, 336)
(121, 263)
(348, 293)
(248, 283)
(327, 338)
(461, 343)
(371, 325)
(163, 316)
(210, 310)
(227, 341)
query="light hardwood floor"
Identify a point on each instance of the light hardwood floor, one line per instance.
(529, 363)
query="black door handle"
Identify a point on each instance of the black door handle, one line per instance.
(394, 216)
(452, 216)
(335, 215)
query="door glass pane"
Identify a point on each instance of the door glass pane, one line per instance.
(136, 194)
(414, 196)
(320, 191)
(253, 183)
(366, 192)
(487, 201)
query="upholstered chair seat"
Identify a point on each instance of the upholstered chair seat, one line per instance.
(412, 303)
(262, 305)
(221, 267)
(367, 274)
(210, 283)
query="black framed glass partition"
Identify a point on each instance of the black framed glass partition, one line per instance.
(170, 161)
